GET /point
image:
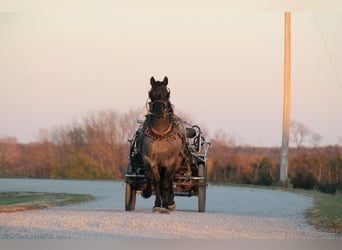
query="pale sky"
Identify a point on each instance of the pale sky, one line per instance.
(225, 68)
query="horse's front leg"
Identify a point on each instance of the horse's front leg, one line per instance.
(156, 183)
(168, 192)
(147, 190)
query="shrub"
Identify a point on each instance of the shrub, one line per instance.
(264, 178)
(245, 179)
(304, 180)
(328, 188)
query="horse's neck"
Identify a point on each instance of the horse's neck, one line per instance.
(161, 124)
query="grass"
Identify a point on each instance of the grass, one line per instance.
(326, 213)
(21, 201)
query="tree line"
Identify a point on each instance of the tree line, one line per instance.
(309, 168)
(95, 147)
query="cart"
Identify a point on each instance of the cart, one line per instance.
(189, 180)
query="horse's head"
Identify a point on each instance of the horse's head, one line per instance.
(159, 95)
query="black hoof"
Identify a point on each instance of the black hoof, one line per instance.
(146, 194)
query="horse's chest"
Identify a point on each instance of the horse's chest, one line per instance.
(163, 149)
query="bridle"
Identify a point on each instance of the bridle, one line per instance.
(166, 111)
(165, 107)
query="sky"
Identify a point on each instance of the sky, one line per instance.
(225, 66)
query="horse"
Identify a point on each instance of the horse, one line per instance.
(162, 147)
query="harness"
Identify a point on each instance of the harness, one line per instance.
(169, 133)
(151, 132)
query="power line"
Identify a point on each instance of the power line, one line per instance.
(328, 52)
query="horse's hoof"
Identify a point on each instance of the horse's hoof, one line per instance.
(172, 207)
(146, 194)
(164, 210)
(156, 209)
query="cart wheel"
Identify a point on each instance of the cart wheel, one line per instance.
(130, 197)
(201, 189)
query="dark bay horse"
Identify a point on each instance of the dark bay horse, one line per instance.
(163, 146)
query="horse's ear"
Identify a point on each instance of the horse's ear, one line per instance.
(152, 81)
(166, 80)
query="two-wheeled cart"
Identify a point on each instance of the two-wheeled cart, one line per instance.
(189, 180)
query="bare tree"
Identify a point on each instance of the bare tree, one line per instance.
(222, 137)
(315, 139)
(298, 133)
(128, 124)
(301, 134)
(9, 153)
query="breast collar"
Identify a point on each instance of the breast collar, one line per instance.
(151, 132)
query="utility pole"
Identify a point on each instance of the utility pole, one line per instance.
(286, 104)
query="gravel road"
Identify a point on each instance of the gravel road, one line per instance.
(232, 213)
